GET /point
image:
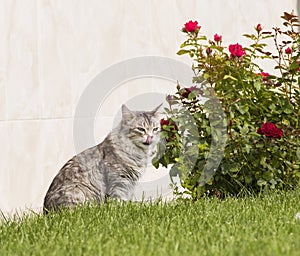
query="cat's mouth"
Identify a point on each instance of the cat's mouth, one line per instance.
(148, 140)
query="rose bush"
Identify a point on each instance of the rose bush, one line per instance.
(238, 127)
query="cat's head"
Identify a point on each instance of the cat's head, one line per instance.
(141, 127)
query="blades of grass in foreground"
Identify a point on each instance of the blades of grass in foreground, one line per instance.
(264, 225)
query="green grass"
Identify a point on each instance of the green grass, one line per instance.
(265, 225)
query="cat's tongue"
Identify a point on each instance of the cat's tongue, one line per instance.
(148, 140)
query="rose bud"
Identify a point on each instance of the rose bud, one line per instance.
(288, 50)
(208, 50)
(217, 38)
(258, 28)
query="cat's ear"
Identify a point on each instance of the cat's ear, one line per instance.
(156, 110)
(127, 113)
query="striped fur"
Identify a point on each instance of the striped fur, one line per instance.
(109, 169)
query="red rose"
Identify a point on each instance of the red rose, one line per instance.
(270, 130)
(217, 38)
(264, 75)
(164, 122)
(258, 27)
(236, 50)
(172, 128)
(168, 122)
(187, 91)
(191, 26)
(299, 69)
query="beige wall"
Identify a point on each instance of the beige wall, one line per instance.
(51, 50)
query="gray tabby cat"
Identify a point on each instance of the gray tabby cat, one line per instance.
(109, 169)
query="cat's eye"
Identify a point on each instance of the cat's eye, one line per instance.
(155, 129)
(141, 129)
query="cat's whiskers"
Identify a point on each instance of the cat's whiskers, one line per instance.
(109, 169)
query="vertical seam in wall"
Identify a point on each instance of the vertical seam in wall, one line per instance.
(298, 12)
(37, 61)
(150, 17)
(10, 17)
(38, 56)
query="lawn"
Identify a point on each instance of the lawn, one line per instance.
(264, 225)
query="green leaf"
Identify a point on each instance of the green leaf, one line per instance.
(243, 109)
(234, 169)
(286, 122)
(184, 44)
(202, 38)
(253, 37)
(229, 77)
(181, 52)
(198, 79)
(257, 85)
(248, 148)
(272, 106)
(294, 65)
(288, 109)
(268, 175)
(261, 182)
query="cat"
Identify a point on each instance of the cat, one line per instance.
(109, 169)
